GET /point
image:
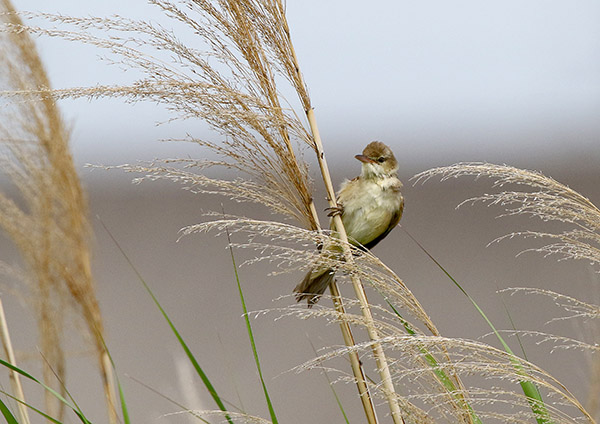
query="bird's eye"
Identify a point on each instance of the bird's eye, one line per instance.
(381, 159)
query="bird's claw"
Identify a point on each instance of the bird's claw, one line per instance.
(336, 210)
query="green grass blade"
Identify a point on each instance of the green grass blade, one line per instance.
(250, 333)
(205, 380)
(228, 369)
(514, 327)
(124, 409)
(337, 398)
(8, 416)
(439, 373)
(20, 371)
(76, 409)
(54, 393)
(534, 397)
(186, 349)
(168, 399)
(43, 414)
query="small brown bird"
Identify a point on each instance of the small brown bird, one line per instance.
(370, 205)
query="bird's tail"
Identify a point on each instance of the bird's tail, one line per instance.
(314, 285)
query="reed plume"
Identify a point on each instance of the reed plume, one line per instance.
(576, 236)
(48, 222)
(543, 198)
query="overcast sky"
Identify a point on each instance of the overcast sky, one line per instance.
(504, 81)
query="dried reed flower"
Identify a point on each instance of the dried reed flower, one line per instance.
(586, 317)
(547, 200)
(48, 223)
(490, 372)
(232, 85)
(284, 246)
(550, 201)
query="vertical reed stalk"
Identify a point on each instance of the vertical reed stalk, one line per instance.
(384, 372)
(378, 353)
(14, 376)
(357, 370)
(355, 362)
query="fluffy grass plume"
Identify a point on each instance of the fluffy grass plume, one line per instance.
(541, 197)
(575, 237)
(48, 221)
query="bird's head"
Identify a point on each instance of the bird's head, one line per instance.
(377, 161)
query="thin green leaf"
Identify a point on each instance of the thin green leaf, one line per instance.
(439, 373)
(250, 334)
(512, 324)
(8, 416)
(124, 409)
(168, 399)
(19, 370)
(183, 344)
(54, 393)
(337, 399)
(123, 402)
(43, 414)
(228, 369)
(534, 397)
(76, 409)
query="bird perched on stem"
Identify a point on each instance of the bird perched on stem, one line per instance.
(370, 206)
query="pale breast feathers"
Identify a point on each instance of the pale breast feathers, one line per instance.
(371, 209)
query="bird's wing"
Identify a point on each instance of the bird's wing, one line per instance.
(393, 222)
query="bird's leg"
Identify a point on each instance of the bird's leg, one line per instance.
(337, 210)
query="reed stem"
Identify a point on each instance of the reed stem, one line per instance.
(378, 353)
(15, 381)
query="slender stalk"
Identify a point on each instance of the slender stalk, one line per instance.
(356, 365)
(357, 369)
(109, 387)
(14, 376)
(378, 353)
(388, 386)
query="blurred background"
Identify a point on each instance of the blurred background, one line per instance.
(440, 82)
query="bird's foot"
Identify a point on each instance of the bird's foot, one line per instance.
(337, 210)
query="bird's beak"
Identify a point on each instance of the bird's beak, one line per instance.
(364, 159)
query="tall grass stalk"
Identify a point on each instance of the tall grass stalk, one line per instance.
(73, 406)
(379, 354)
(15, 380)
(380, 357)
